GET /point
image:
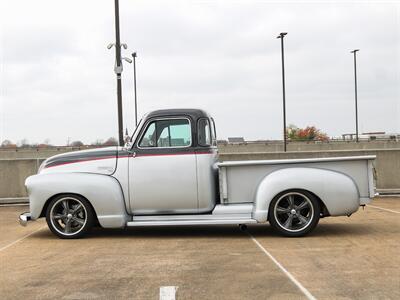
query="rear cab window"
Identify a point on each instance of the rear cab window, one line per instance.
(213, 133)
(206, 132)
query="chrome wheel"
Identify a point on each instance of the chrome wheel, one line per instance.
(68, 216)
(293, 211)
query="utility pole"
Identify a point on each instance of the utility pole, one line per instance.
(118, 71)
(134, 84)
(355, 88)
(280, 36)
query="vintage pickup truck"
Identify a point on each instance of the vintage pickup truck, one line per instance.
(169, 174)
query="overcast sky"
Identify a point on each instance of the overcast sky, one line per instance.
(57, 78)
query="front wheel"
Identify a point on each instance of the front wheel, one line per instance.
(69, 216)
(294, 213)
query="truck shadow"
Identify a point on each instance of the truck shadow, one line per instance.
(331, 230)
(214, 231)
(229, 231)
(171, 232)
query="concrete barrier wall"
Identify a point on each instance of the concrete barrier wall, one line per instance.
(269, 146)
(13, 172)
(274, 146)
(36, 153)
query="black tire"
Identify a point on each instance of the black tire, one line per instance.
(294, 213)
(70, 216)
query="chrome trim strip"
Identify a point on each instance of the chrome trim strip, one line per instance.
(192, 222)
(293, 161)
(171, 218)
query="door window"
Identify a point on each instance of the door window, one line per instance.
(167, 133)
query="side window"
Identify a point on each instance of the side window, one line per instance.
(213, 133)
(167, 133)
(204, 132)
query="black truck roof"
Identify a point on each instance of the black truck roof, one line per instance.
(193, 113)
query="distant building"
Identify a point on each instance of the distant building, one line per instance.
(235, 140)
(372, 136)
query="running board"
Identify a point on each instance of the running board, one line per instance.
(191, 222)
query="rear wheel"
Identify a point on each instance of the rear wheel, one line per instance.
(70, 216)
(294, 213)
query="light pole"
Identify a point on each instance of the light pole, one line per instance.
(118, 71)
(355, 88)
(280, 36)
(134, 84)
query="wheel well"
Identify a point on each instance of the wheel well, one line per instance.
(324, 210)
(43, 213)
(322, 206)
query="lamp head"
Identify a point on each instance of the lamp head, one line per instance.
(355, 50)
(134, 54)
(281, 35)
(127, 59)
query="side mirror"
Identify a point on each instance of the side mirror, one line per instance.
(127, 146)
(127, 140)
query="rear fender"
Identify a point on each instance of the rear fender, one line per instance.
(102, 191)
(337, 191)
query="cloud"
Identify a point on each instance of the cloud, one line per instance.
(57, 77)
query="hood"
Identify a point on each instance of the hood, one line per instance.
(100, 161)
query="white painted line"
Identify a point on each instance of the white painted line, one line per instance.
(20, 239)
(168, 292)
(286, 272)
(377, 207)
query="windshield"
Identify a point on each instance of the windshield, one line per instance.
(136, 129)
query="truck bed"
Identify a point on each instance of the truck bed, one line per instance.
(239, 180)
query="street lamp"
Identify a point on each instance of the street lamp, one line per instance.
(118, 68)
(355, 89)
(134, 79)
(118, 71)
(134, 84)
(280, 36)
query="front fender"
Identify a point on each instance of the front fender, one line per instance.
(102, 191)
(337, 191)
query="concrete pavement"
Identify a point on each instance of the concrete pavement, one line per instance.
(344, 258)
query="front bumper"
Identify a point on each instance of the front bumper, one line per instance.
(25, 218)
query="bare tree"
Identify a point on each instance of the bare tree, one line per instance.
(76, 144)
(112, 141)
(7, 144)
(23, 143)
(97, 142)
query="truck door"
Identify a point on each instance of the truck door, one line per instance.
(162, 171)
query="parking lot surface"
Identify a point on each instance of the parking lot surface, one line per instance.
(344, 258)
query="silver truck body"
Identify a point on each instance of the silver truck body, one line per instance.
(144, 185)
